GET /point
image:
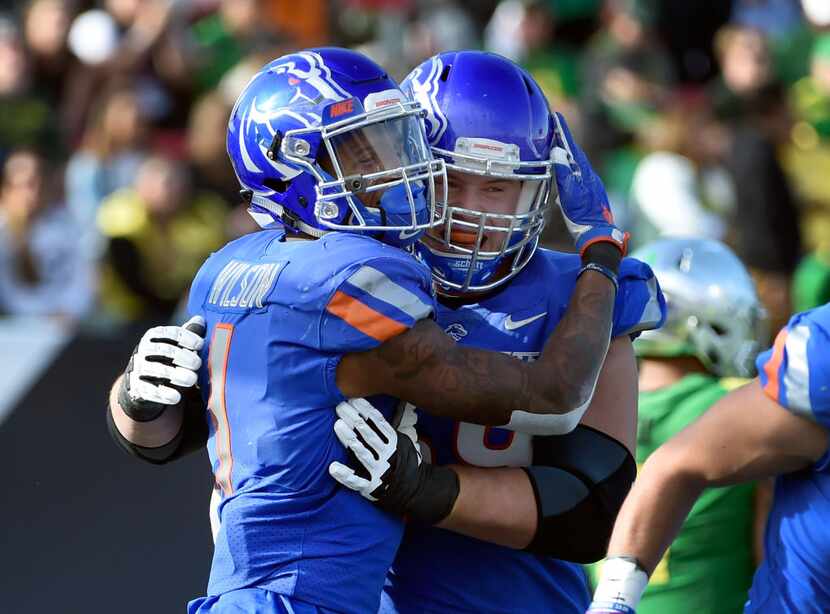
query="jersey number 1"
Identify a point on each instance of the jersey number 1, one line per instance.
(220, 346)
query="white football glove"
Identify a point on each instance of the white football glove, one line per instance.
(362, 429)
(393, 476)
(164, 363)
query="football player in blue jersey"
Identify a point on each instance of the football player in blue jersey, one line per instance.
(777, 425)
(524, 499)
(323, 305)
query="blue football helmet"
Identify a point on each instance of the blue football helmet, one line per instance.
(324, 140)
(488, 119)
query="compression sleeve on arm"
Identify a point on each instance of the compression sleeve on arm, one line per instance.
(192, 436)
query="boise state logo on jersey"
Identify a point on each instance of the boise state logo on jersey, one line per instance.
(456, 331)
(422, 85)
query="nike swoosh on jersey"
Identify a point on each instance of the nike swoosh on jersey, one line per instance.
(510, 324)
(408, 234)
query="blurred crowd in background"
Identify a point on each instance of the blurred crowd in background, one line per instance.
(704, 117)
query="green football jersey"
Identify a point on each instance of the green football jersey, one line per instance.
(708, 568)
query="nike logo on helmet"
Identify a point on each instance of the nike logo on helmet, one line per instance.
(510, 324)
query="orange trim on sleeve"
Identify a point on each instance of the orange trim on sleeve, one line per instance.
(623, 248)
(774, 364)
(362, 317)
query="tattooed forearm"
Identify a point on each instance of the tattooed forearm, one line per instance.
(575, 352)
(485, 387)
(468, 384)
(426, 367)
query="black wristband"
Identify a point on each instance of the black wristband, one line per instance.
(603, 253)
(140, 411)
(593, 266)
(436, 497)
(422, 492)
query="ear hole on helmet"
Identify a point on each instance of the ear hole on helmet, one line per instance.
(719, 330)
(278, 185)
(445, 73)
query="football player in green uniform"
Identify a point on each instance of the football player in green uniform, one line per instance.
(714, 329)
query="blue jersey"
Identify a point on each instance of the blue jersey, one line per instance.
(795, 573)
(280, 316)
(440, 571)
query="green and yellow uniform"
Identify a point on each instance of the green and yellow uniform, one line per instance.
(165, 255)
(709, 567)
(811, 281)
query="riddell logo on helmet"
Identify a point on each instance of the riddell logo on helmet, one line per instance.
(488, 147)
(341, 108)
(385, 103)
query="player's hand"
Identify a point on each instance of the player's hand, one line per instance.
(387, 468)
(163, 365)
(582, 196)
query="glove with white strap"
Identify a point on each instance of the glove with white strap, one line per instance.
(582, 196)
(162, 367)
(386, 465)
(621, 585)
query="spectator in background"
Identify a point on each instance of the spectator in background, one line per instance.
(206, 148)
(440, 25)
(526, 32)
(777, 19)
(811, 151)
(158, 233)
(125, 42)
(746, 68)
(811, 95)
(42, 269)
(811, 282)
(788, 34)
(110, 155)
(751, 102)
(681, 187)
(764, 229)
(45, 29)
(25, 117)
(223, 38)
(305, 23)
(235, 80)
(809, 156)
(210, 168)
(627, 77)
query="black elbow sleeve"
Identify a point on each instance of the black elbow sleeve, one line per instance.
(192, 436)
(580, 481)
(155, 456)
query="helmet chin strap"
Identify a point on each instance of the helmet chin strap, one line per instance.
(286, 218)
